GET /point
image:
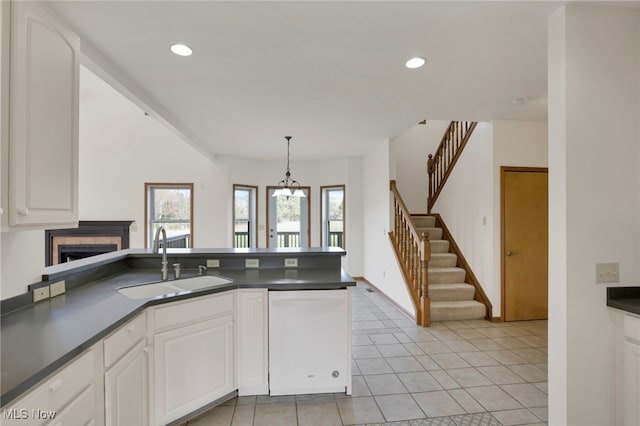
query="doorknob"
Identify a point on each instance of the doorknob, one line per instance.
(511, 253)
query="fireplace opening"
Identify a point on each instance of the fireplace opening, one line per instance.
(69, 252)
(90, 238)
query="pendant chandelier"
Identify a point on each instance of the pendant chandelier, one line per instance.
(288, 187)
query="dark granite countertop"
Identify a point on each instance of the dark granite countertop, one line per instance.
(39, 339)
(624, 298)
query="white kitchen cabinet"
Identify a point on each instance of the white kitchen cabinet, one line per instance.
(252, 342)
(631, 363)
(627, 368)
(43, 121)
(71, 396)
(193, 360)
(127, 380)
(127, 389)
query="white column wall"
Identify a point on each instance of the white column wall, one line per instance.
(594, 200)
(380, 265)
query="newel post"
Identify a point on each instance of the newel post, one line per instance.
(425, 303)
(430, 170)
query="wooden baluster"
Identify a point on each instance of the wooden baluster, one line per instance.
(424, 305)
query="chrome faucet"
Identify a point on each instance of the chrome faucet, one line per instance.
(164, 263)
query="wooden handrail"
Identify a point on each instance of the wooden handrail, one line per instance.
(413, 251)
(440, 164)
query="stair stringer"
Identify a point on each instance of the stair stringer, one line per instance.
(470, 277)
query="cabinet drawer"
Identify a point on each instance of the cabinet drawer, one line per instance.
(632, 327)
(81, 411)
(124, 339)
(54, 393)
(181, 313)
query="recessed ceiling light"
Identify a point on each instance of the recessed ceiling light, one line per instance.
(181, 49)
(414, 63)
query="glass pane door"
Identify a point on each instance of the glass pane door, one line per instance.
(288, 222)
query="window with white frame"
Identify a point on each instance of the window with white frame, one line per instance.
(169, 205)
(333, 215)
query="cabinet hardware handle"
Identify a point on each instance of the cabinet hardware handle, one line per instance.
(130, 328)
(511, 253)
(55, 385)
(146, 350)
(23, 212)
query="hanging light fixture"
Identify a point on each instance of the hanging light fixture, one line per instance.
(288, 187)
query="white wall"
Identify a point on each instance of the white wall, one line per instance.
(466, 206)
(121, 149)
(594, 200)
(380, 265)
(137, 138)
(410, 151)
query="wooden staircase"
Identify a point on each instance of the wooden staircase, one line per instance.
(452, 298)
(439, 279)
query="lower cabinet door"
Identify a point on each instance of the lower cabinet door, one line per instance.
(127, 389)
(194, 366)
(631, 383)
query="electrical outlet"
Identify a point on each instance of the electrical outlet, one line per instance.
(252, 263)
(40, 294)
(291, 262)
(607, 273)
(213, 263)
(57, 288)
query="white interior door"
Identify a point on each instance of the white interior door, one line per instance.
(288, 222)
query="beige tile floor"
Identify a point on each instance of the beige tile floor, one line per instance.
(453, 373)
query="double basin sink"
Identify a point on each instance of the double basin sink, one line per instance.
(163, 288)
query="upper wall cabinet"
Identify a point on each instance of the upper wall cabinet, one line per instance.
(43, 120)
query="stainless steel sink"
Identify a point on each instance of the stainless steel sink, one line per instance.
(163, 288)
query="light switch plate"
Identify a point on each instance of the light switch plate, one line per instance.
(291, 262)
(213, 263)
(607, 273)
(57, 288)
(252, 263)
(40, 294)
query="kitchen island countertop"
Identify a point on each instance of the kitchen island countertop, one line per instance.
(39, 339)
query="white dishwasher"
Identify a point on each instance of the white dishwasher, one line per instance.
(309, 342)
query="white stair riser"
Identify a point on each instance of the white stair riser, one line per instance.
(451, 292)
(447, 276)
(443, 260)
(434, 233)
(462, 312)
(439, 246)
(424, 221)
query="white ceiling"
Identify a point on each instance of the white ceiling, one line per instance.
(330, 74)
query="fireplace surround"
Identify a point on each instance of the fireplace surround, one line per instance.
(88, 239)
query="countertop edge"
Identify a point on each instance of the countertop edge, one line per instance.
(23, 387)
(626, 299)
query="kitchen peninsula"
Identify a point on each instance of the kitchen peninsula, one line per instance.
(162, 359)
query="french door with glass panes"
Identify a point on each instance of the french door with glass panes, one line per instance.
(287, 219)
